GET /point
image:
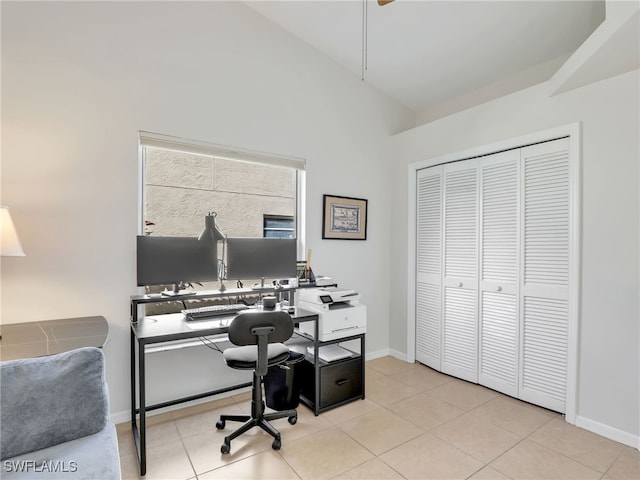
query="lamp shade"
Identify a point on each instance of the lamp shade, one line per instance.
(211, 232)
(10, 245)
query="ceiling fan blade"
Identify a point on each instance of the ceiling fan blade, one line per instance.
(382, 3)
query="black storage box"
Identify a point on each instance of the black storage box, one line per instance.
(282, 385)
(340, 382)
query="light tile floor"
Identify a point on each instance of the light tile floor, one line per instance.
(414, 424)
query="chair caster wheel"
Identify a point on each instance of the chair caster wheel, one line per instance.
(225, 448)
(293, 420)
(220, 425)
(276, 444)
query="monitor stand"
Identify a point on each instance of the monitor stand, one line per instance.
(176, 292)
(261, 286)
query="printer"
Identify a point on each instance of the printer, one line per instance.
(339, 312)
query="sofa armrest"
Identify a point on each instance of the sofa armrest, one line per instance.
(49, 400)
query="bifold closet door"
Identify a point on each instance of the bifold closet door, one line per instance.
(428, 266)
(544, 307)
(499, 273)
(460, 265)
(493, 270)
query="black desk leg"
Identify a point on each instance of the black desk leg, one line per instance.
(143, 411)
(139, 434)
(132, 378)
(316, 368)
(362, 359)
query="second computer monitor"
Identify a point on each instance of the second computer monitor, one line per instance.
(254, 258)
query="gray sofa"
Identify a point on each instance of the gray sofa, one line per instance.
(54, 414)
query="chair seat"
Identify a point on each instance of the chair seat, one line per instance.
(244, 358)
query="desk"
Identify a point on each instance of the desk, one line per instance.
(166, 328)
(46, 337)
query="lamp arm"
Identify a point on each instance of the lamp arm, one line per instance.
(221, 266)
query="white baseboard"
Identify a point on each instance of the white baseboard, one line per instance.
(120, 417)
(399, 355)
(609, 432)
(386, 352)
(377, 354)
(125, 416)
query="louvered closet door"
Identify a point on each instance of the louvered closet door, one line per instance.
(428, 266)
(460, 259)
(499, 259)
(545, 280)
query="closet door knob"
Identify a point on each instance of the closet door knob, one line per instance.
(499, 289)
(459, 284)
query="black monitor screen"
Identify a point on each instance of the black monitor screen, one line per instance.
(253, 258)
(171, 260)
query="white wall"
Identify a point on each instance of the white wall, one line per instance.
(79, 80)
(608, 391)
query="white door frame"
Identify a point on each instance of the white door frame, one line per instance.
(573, 131)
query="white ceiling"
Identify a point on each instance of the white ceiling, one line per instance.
(439, 55)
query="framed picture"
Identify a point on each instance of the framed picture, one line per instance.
(344, 218)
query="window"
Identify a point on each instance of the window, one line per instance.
(252, 194)
(279, 227)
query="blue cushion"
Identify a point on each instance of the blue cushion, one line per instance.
(50, 400)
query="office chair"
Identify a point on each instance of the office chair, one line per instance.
(258, 335)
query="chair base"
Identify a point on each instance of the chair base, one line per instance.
(249, 423)
(257, 419)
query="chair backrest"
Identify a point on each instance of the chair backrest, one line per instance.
(242, 328)
(261, 327)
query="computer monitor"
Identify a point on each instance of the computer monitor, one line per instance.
(172, 260)
(259, 258)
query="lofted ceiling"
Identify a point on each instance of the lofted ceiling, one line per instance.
(442, 56)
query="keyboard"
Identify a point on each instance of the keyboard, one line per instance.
(209, 311)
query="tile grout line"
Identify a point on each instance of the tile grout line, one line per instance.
(490, 417)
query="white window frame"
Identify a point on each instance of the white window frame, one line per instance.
(198, 147)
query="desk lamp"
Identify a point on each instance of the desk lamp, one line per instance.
(213, 234)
